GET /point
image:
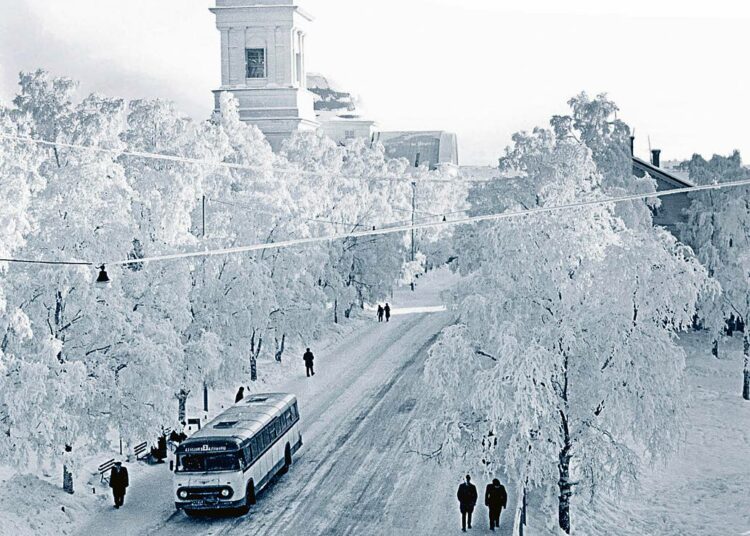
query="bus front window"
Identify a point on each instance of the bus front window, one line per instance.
(203, 463)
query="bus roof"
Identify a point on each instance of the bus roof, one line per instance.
(244, 419)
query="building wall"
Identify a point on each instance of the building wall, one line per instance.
(279, 103)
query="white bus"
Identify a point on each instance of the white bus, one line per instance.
(226, 463)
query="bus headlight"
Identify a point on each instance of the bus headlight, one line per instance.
(182, 494)
(226, 492)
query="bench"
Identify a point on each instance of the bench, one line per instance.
(104, 469)
(140, 449)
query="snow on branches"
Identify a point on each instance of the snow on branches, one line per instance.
(563, 359)
(79, 365)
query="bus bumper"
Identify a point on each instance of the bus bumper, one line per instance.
(209, 505)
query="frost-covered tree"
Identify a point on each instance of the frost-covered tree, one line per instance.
(562, 366)
(81, 213)
(594, 123)
(718, 229)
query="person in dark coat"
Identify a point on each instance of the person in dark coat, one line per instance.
(467, 499)
(240, 395)
(381, 312)
(387, 312)
(495, 498)
(118, 481)
(309, 358)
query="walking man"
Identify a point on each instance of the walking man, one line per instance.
(240, 395)
(118, 481)
(387, 312)
(495, 498)
(467, 499)
(309, 358)
(381, 312)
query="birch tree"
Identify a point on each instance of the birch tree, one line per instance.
(562, 366)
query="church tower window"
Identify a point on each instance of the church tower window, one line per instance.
(256, 62)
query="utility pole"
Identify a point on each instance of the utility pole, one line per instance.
(413, 213)
(203, 264)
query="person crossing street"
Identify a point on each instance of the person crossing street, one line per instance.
(309, 358)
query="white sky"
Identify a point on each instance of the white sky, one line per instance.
(481, 68)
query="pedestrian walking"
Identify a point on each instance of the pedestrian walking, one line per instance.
(381, 312)
(467, 499)
(387, 312)
(118, 481)
(240, 395)
(309, 358)
(495, 498)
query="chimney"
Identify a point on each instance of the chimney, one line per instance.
(632, 145)
(655, 154)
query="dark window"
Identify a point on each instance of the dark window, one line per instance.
(256, 62)
(295, 412)
(192, 463)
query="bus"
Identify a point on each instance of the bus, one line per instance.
(226, 464)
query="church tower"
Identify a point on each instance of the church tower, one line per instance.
(263, 64)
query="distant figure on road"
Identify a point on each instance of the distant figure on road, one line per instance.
(240, 395)
(495, 498)
(381, 312)
(118, 481)
(309, 358)
(467, 499)
(387, 312)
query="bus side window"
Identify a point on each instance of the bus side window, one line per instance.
(288, 419)
(295, 412)
(248, 452)
(279, 427)
(255, 446)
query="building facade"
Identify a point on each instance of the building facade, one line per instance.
(263, 64)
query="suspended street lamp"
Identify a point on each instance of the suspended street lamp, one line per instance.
(103, 279)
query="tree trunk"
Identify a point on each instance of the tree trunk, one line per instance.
(564, 483)
(746, 372)
(254, 353)
(280, 347)
(181, 402)
(566, 487)
(67, 480)
(335, 311)
(67, 475)
(715, 348)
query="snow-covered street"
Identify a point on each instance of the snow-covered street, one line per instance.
(355, 473)
(284, 267)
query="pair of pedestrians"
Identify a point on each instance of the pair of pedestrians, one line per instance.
(384, 312)
(495, 499)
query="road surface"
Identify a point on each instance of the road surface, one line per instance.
(355, 474)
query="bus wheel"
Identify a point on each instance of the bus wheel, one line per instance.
(287, 459)
(250, 494)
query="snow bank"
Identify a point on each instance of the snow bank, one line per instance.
(33, 507)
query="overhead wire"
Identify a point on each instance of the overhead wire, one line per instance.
(439, 224)
(401, 228)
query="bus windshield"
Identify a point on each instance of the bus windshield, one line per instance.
(204, 463)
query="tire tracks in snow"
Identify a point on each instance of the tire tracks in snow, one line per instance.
(365, 475)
